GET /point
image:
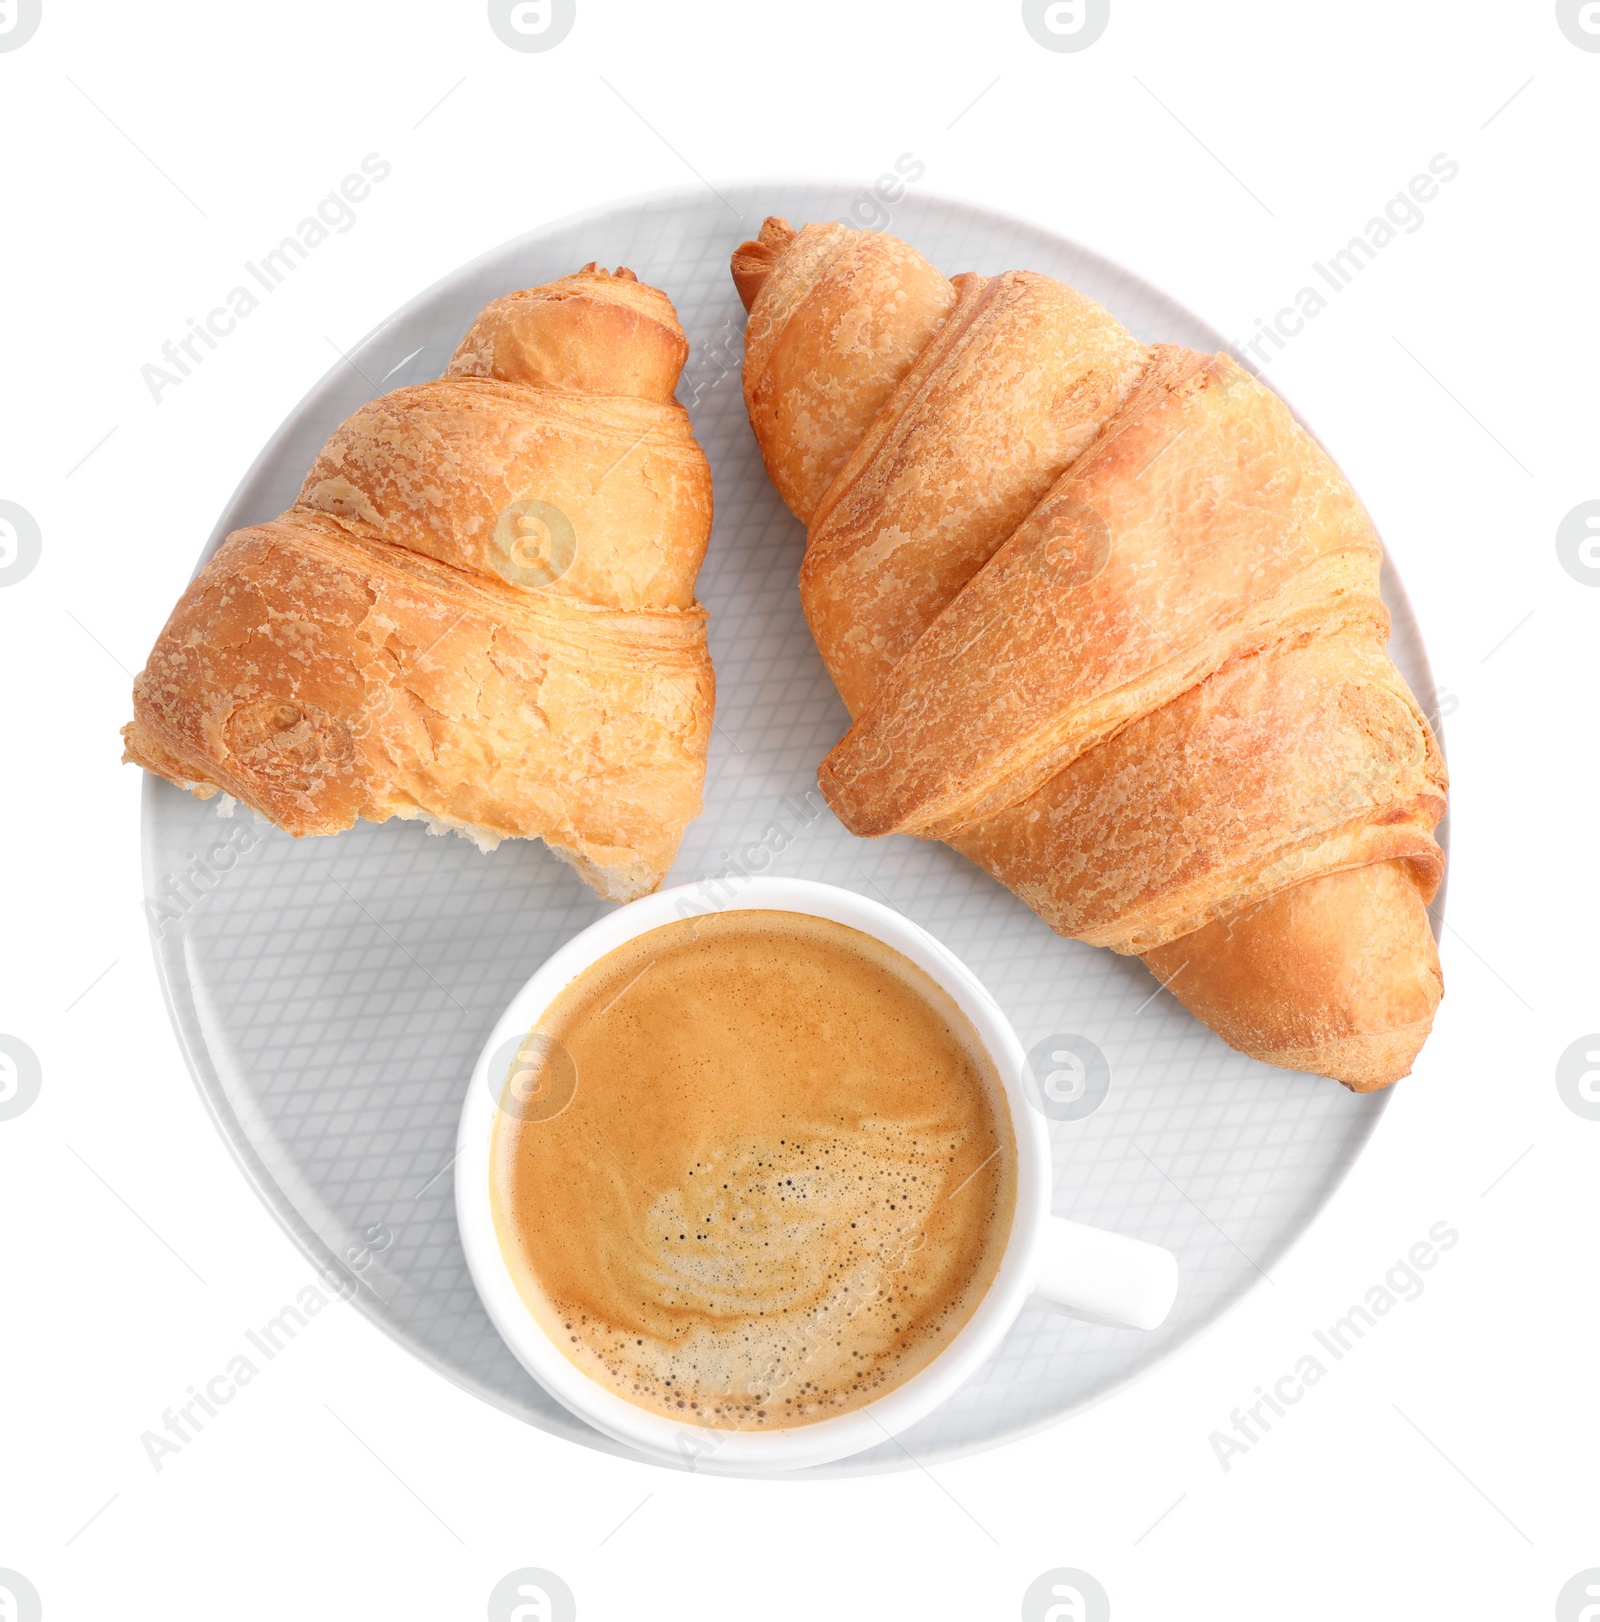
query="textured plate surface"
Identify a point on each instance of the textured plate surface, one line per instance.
(331, 995)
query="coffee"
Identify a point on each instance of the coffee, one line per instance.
(776, 1178)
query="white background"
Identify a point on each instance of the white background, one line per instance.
(1447, 1467)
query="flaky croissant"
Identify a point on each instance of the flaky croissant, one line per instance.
(479, 612)
(1107, 620)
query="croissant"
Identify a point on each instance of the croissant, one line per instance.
(479, 612)
(1107, 620)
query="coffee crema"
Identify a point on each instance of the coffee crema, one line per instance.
(779, 1177)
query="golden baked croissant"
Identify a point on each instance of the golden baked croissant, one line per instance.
(480, 611)
(1107, 621)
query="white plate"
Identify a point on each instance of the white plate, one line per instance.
(331, 995)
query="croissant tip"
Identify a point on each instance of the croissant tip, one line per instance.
(620, 274)
(749, 277)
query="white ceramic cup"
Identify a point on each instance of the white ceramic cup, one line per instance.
(1087, 1272)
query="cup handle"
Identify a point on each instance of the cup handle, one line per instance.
(1104, 1278)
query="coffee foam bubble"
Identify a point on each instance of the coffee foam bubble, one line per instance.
(783, 1275)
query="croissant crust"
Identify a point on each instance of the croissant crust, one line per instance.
(1107, 620)
(480, 612)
